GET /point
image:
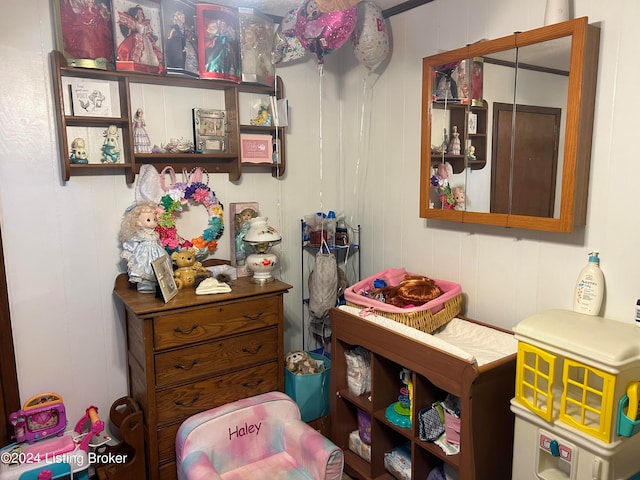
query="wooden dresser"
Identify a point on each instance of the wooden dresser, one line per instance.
(197, 352)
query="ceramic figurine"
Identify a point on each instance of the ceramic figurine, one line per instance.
(110, 147)
(78, 151)
(141, 142)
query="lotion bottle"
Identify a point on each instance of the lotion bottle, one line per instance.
(589, 287)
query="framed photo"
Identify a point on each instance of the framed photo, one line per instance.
(256, 43)
(209, 130)
(180, 37)
(472, 123)
(137, 27)
(90, 98)
(256, 148)
(163, 270)
(239, 216)
(84, 33)
(218, 42)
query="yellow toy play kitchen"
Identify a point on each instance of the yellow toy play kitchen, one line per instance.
(576, 398)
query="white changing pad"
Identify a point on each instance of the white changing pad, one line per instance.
(466, 340)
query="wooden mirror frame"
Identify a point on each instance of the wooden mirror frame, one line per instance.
(579, 126)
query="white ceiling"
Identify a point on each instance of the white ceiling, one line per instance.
(279, 8)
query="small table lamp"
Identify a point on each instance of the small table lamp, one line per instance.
(262, 237)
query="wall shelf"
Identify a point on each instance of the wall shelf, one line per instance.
(227, 162)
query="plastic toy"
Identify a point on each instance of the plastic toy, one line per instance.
(90, 426)
(399, 413)
(42, 416)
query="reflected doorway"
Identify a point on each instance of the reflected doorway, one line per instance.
(535, 160)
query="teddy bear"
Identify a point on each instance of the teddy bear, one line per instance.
(189, 270)
(301, 363)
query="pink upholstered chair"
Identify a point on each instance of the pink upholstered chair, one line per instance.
(255, 438)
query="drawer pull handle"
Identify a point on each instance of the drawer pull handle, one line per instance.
(180, 403)
(252, 351)
(186, 332)
(185, 367)
(252, 385)
(253, 317)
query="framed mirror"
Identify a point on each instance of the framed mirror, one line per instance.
(517, 154)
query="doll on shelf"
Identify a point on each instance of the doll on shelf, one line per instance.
(454, 145)
(141, 245)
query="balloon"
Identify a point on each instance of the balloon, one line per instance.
(286, 46)
(369, 38)
(322, 33)
(335, 5)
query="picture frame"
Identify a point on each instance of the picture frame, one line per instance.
(90, 98)
(138, 23)
(163, 270)
(180, 38)
(218, 42)
(472, 123)
(256, 148)
(239, 215)
(209, 130)
(84, 33)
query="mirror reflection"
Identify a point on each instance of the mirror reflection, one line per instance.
(497, 130)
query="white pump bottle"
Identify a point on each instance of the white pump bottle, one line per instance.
(589, 287)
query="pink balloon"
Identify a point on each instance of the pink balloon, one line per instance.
(324, 32)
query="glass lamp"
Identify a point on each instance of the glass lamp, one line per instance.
(262, 237)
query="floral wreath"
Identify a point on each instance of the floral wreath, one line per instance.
(171, 205)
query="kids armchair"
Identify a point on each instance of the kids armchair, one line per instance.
(260, 437)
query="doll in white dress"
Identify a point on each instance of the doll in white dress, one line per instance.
(141, 142)
(141, 245)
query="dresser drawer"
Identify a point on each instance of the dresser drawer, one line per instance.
(216, 356)
(215, 321)
(182, 402)
(168, 471)
(167, 442)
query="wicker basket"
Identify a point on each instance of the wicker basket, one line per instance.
(426, 318)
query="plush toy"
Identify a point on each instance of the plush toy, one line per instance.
(301, 363)
(189, 271)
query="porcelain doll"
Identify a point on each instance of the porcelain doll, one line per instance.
(141, 142)
(141, 245)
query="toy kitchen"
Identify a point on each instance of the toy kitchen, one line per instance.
(576, 405)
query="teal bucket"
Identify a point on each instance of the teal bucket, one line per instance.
(311, 391)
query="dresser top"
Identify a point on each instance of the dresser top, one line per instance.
(146, 303)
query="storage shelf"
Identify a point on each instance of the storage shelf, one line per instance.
(227, 162)
(486, 428)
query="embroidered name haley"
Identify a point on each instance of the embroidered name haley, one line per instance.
(245, 430)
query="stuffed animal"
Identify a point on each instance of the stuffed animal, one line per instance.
(301, 363)
(189, 270)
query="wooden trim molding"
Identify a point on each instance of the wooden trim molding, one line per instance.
(9, 395)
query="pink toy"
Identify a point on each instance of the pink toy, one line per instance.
(92, 422)
(42, 416)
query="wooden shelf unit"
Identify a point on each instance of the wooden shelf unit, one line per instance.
(486, 432)
(458, 117)
(227, 162)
